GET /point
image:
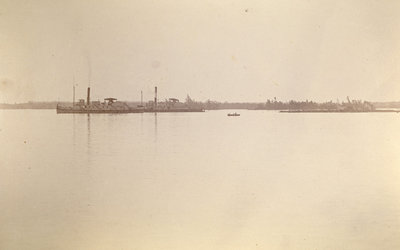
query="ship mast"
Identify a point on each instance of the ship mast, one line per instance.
(73, 93)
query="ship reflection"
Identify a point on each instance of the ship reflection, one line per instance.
(74, 131)
(89, 141)
(82, 144)
(88, 132)
(155, 126)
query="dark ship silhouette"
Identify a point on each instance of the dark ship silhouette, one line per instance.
(111, 105)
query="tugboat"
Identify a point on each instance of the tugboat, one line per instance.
(233, 114)
(110, 105)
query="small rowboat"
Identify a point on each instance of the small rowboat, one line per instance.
(233, 114)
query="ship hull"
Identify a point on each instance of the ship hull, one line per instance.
(173, 110)
(86, 111)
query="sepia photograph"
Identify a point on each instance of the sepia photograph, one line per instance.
(199, 125)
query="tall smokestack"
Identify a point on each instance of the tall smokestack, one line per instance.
(73, 96)
(88, 97)
(155, 97)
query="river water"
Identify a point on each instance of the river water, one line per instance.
(264, 180)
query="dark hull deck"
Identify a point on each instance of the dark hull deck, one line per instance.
(83, 111)
(172, 110)
(102, 111)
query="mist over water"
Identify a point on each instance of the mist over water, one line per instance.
(264, 180)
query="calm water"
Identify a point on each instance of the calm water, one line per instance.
(264, 180)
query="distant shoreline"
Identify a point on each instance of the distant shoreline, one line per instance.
(340, 111)
(290, 106)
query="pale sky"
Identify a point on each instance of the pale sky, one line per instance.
(220, 50)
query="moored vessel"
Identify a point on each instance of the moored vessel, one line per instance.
(109, 106)
(170, 105)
